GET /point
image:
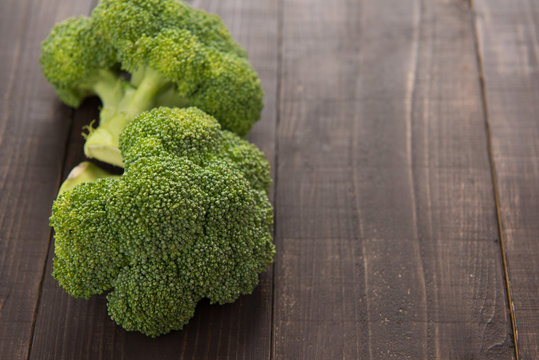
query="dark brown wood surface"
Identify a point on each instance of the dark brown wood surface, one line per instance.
(509, 48)
(33, 131)
(386, 222)
(387, 235)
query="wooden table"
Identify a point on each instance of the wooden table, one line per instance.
(404, 141)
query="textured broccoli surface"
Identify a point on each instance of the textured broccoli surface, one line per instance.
(188, 219)
(176, 56)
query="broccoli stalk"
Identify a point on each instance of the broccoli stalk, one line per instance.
(121, 102)
(85, 172)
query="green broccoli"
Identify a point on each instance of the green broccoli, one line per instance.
(176, 56)
(188, 219)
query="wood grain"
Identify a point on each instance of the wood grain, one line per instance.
(78, 329)
(509, 45)
(33, 133)
(387, 234)
(386, 223)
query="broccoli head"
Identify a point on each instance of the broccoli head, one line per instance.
(175, 55)
(188, 219)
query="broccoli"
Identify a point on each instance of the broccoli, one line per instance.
(188, 219)
(84, 172)
(139, 54)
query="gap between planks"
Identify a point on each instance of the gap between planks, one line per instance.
(278, 88)
(60, 180)
(44, 269)
(495, 188)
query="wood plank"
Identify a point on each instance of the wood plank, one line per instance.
(78, 329)
(33, 134)
(387, 234)
(508, 34)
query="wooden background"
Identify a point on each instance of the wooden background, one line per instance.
(404, 141)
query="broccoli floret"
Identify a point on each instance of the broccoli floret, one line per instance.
(188, 219)
(176, 56)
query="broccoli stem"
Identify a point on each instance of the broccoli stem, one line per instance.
(83, 173)
(121, 103)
